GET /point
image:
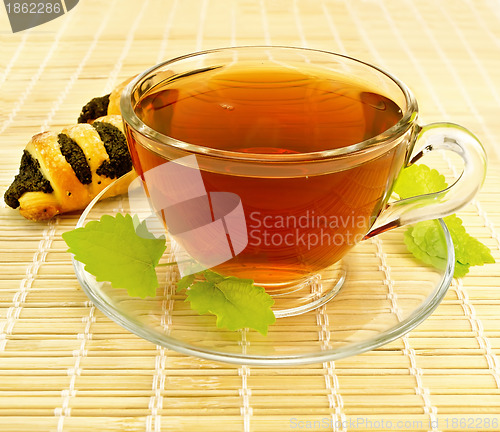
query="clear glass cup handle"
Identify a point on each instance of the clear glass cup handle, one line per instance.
(438, 136)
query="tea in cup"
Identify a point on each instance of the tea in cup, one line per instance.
(271, 163)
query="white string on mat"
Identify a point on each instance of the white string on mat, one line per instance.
(475, 322)
(478, 330)
(36, 77)
(79, 354)
(335, 399)
(485, 77)
(245, 392)
(113, 76)
(244, 371)
(482, 24)
(201, 25)
(19, 298)
(408, 351)
(333, 28)
(453, 72)
(76, 370)
(414, 370)
(482, 213)
(298, 24)
(153, 420)
(74, 77)
(233, 24)
(466, 305)
(265, 22)
(166, 33)
(4, 75)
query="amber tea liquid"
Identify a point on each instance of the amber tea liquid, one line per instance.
(297, 225)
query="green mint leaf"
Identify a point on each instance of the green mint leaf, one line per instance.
(141, 228)
(425, 240)
(122, 251)
(214, 277)
(429, 237)
(468, 250)
(419, 180)
(112, 251)
(202, 295)
(185, 282)
(415, 245)
(237, 303)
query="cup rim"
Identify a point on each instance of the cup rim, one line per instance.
(132, 120)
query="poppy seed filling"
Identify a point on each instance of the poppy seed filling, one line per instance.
(29, 179)
(97, 107)
(114, 141)
(75, 156)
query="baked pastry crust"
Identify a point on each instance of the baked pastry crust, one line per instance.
(68, 193)
(63, 172)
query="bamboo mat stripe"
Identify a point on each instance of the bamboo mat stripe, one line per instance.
(64, 366)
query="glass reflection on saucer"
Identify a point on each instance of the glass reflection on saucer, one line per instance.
(376, 293)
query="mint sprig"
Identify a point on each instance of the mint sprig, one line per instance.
(122, 251)
(425, 240)
(112, 251)
(237, 303)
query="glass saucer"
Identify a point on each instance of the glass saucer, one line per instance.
(384, 293)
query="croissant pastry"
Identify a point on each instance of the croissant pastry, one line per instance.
(63, 172)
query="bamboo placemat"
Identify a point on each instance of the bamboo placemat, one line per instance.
(65, 367)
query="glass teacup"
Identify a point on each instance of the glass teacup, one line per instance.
(271, 163)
